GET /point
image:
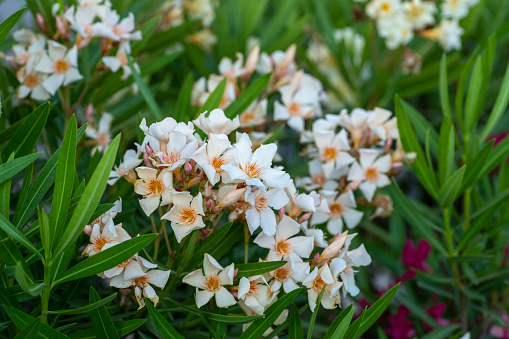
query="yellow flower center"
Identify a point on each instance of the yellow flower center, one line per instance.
(386, 7)
(329, 153)
(283, 248)
(336, 210)
(99, 243)
(247, 117)
(217, 162)
(371, 174)
(213, 284)
(252, 170)
(261, 203)
(282, 274)
(318, 284)
(61, 66)
(31, 81)
(319, 179)
(188, 215)
(141, 281)
(294, 109)
(155, 187)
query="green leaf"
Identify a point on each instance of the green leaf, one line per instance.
(64, 181)
(13, 167)
(500, 153)
(444, 89)
(257, 268)
(220, 318)
(17, 235)
(245, 99)
(211, 242)
(101, 320)
(23, 194)
(190, 246)
(416, 309)
(500, 106)
(31, 288)
(274, 136)
(5, 193)
(315, 312)
(7, 298)
(446, 151)
(87, 308)
(258, 328)
(44, 229)
(475, 166)
(145, 91)
(106, 259)
(89, 199)
(214, 99)
(123, 329)
(183, 112)
(162, 325)
(442, 332)
(372, 314)
(295, 328)
(411, 144)
(458, 101)
(449, 192)
(473, 96)
(22, 319)
(25, 138)
(30, 331)
(343, 323)
(279, 329)
(9, 23)
(42, 183)
(423, 128)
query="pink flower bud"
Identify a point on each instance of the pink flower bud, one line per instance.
(146, 160)
(61, 26)
(188, 167)
(282, 212)
(252, 60)
(305, 217)
(89, 111)
(39, 20)
(149, 151)
(231, 198)
(235, 273)
(87, 229)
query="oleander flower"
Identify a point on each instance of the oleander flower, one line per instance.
(261, 214)
(155, 187)
(319, 278)
(288, 275)
(255, 292)
(214, 154)
(101, 135)
(101, 240)
(186, 214)
(342, 210)
(216, 122)
(370, 171)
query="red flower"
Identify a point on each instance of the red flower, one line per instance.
(400, 327)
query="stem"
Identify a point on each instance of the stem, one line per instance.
(46, 293)
(158, 239)
(246, 244)
(163, 226)
(466, 206)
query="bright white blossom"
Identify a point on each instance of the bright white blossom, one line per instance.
(371, 170)
(155, 187)
(101, 135)
(186, 215)
(342, 211)
(216, 122)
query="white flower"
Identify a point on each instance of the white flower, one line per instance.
(356, 123)
(105, 239)
(420, 13)
(81, 20)
(216, 122)
(232, 70)
(370, 171)
(61, 63)
(260, 214)
(106, 219)
(316, 281)
(186, 214)
(331, 148)
(203, 88)
(381, 124)
(383, 8)
(200, 10)
(214, 154)
(132, 268)
(155, 188)
(101, 135)
(455, 9)
(282, 245)
(161, 130)
(288, 275)
(448, 34)
(142, 285)
(255, 114)
(115, 29)
(342, 208)
(316, 233)
(31, 84)
(177, 152)
(256, 166)
(126, 168)
(255, 293)
(317, 179)
(114, 63)
(211, 283)
(397, 30)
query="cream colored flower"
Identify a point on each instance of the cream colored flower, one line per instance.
(155, 187)
(186, 214)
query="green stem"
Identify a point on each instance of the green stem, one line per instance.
(466, 206)
(158, 239)
(46, 293)
(246, 244)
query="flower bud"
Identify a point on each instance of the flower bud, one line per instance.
(87, 230)
(149, 151)
(252, 60)
(146, 160)
(39, 20)
(194, 181)
(282, 212)
(231, 198)
(305, 217)
(60, 26)
(334, 248)
(188, 167)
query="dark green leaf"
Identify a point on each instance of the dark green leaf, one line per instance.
(245, 99)
(444, 89)
(500, 106)
(211, 242)
(257, 268)
(449, 192)
(162, 325)
(101, 320)
(183, 112)
(442, 332)
(31, 288)
(446, 151)
(30, 331)
(13, 167)
(315, 312)
(214, 99)
(87, 308)
(295, 328)
(145, 92)
(17, 235)
(8, 24)
(342, 327)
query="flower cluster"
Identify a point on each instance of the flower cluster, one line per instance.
(136, 272)
(398, 21)
(46, 62)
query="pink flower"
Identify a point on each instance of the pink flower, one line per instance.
(501, 332)
(414, 258)
(400, 327)
(436, 312)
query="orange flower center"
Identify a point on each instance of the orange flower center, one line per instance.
(294, 109)
(336, 210)
(329, 153)
(122, 57)
(261, 203)
(318, 284)
(103, 139)
(371, 174)
(31, 81)
(282, 248)
(217, 162)
(253, 288)
(385, 7)
(247, 117)
(61, 66)
(282, 274)
(99, 243)
(171, 158)
(252, 170)
(155, 187)
(141, 281)
(188, 216)
(319, 179)
(213, 284)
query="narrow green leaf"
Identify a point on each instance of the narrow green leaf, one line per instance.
(446, 151)
(257, 268)
(458, 101)
(107, 259)
(372, 313)
(31, 288)
(62, 194)
(281, 328)
(44, 230)
(145, 92)
(17, 235)
(449, 192)
(423, 127)
(41, 185)
(7, 298)
(500, 153)
(101, 320)
(332, 328)
(315, 313)
(342, 327)
(411, 144)
(5, 193)
(500, 106)
(275, 135)
(184, 100)
(9, 23)
(211, 242)
(473, 96)
(30, 331)
(87, 308)
(416, 309)
(24, 139)
(258, 328)
(123, 329)
(162, 325)
(475, 166)
(13, 167)
(442, 332)
(245, 99)
(22, 319)
(27, 181)
(214, 99)
(190, 246)
(444, 89)
(295, 328)
(90, 198)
